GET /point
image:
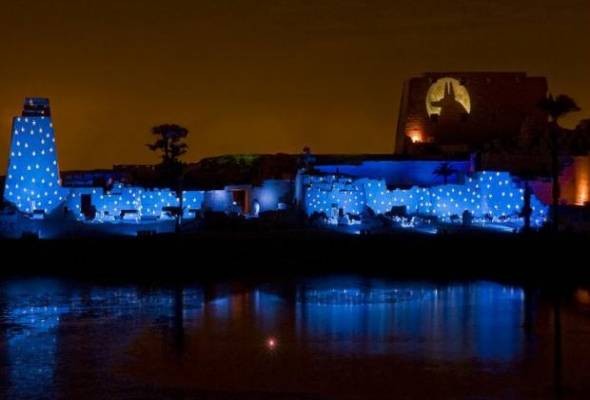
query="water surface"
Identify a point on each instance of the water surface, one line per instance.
(338, 337)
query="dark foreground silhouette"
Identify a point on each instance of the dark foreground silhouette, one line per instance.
(536, 258)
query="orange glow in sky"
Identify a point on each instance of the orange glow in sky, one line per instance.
(263, 76)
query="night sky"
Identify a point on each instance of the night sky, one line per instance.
(250, 76)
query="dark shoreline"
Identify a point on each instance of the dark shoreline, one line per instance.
(537, 259)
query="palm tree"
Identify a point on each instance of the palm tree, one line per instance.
(556, 107)
(445, 170)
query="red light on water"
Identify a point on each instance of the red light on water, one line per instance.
(271, 343)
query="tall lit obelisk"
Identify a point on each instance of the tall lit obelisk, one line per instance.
(32, 179)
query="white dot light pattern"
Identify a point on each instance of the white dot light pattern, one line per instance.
(146, 203)
(32, 181)
(488, 194)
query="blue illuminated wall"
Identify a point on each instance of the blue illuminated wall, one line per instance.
(152, 203)
(32, 179)
(272, 193)
(148, 203)
(323, 193)
(192, 200)
(33, 184)
(493, 195)
(268, 195)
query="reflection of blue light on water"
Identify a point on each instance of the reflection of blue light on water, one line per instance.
(353, 296)
(220, 308)
(498, 316)
(457, 322)
(267, 309)
(121, 302)
(35, 310)
(32, 350)
(481, 320)
(31, 338)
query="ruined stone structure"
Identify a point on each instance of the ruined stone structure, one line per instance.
(463, 111)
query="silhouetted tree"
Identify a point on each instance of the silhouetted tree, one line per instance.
(445, 170)
(170, 142)
(556, 107)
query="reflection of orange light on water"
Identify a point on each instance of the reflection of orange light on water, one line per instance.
(415, 136)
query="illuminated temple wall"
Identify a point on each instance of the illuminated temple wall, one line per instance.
(149, 203)
(272, 193)
(33, 183)
(493, 105)
(486, 193)
(32, 180)
(217, 200)
(269, 195)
